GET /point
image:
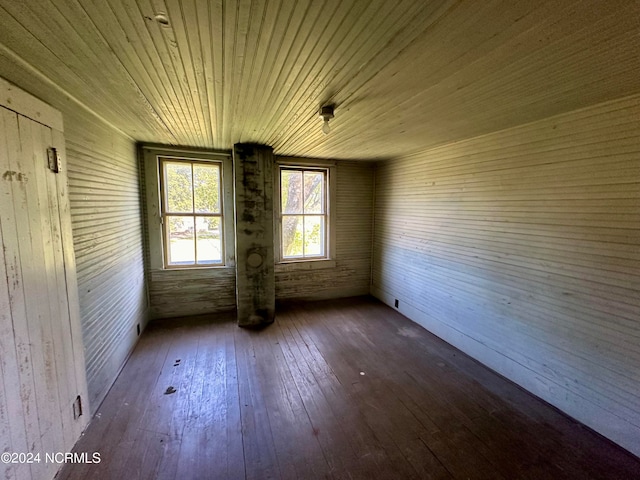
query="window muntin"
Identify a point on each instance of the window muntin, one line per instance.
(303, 213)
(192, 223)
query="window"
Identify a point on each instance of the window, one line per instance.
(188, 208)
(191, 211)
(304, 211)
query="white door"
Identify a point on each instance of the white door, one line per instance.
(41, 363)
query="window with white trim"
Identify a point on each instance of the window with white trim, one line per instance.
(304, 213)
(191, 209)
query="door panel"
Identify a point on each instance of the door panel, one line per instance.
(38, 362)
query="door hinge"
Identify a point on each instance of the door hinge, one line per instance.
(77, 407)
(53, 159)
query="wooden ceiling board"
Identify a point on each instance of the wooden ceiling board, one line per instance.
(289, 75)
(70, 60)
(133, 60)
(16, 37)
(130, 35)
(497, 89)
(308, 86)
(380, 47)
(404, 75)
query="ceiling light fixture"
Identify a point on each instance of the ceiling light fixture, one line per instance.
(326, 113)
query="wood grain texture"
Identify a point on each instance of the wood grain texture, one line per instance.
(16, 99)
(522, 248)
(42, 368)
(106, 214)
(351, 273)
(339, 389)
(404, 76)
(174, 293)
(16, 369)
(179, 292)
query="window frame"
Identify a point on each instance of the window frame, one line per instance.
(162, 159)
(304, 164)
(157, 253)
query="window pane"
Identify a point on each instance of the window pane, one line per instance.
(313, 192)
(206, 188)
(291, 191)
(292, 236)
(313, 236)
(209, 240)
(181, 241)
(178, 192)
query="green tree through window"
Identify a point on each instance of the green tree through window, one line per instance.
(192, 213)
(303, 198)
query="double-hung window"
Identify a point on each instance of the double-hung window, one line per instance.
(191, 212)
(189, 209)
(304, 213)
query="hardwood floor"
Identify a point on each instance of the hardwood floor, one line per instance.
(336, 389)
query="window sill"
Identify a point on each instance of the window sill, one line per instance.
(199, 268)
(304, 265)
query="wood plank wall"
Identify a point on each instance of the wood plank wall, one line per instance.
(106, 215)
(522, 248)
(41, 362)
(352, 272)
(103, 184)
(176, 293)
(190, 292)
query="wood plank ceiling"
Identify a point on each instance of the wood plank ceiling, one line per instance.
(404, 75)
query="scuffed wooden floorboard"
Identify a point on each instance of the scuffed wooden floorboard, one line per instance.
(342, 389)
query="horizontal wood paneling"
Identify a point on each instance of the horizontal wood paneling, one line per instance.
(106, 214)
(522, 248)
(404, 76)
(354, 224)
(191, 292)
(175, 293)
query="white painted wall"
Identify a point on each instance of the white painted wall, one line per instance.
(107, 233)
(522, 248)
(105, 208)
(188, 292)
(351, 274)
